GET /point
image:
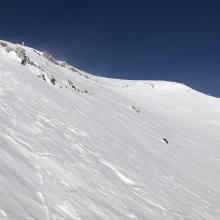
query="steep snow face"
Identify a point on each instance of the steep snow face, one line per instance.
(77, 146)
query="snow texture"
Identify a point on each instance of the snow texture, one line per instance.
(76, 146)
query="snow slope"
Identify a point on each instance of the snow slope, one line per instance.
(76, 146)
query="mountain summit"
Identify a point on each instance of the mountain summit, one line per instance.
(76, 146)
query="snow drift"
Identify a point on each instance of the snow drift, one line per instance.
(78, 146)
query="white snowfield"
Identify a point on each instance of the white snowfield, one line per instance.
(76, 146)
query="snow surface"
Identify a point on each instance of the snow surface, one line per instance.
(92, 148)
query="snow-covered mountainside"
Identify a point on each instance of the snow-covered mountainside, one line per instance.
(77, 146)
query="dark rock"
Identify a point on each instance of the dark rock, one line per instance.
(71, 84)
(135, 109)
(42, 76)
(3, 44)
(52, 80)
(33, 64)
(165, 140)
(25, 60)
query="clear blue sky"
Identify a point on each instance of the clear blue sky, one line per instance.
(175, 40)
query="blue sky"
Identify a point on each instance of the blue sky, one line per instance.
(162, 40)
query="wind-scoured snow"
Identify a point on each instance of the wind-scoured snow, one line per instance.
(76, 146)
